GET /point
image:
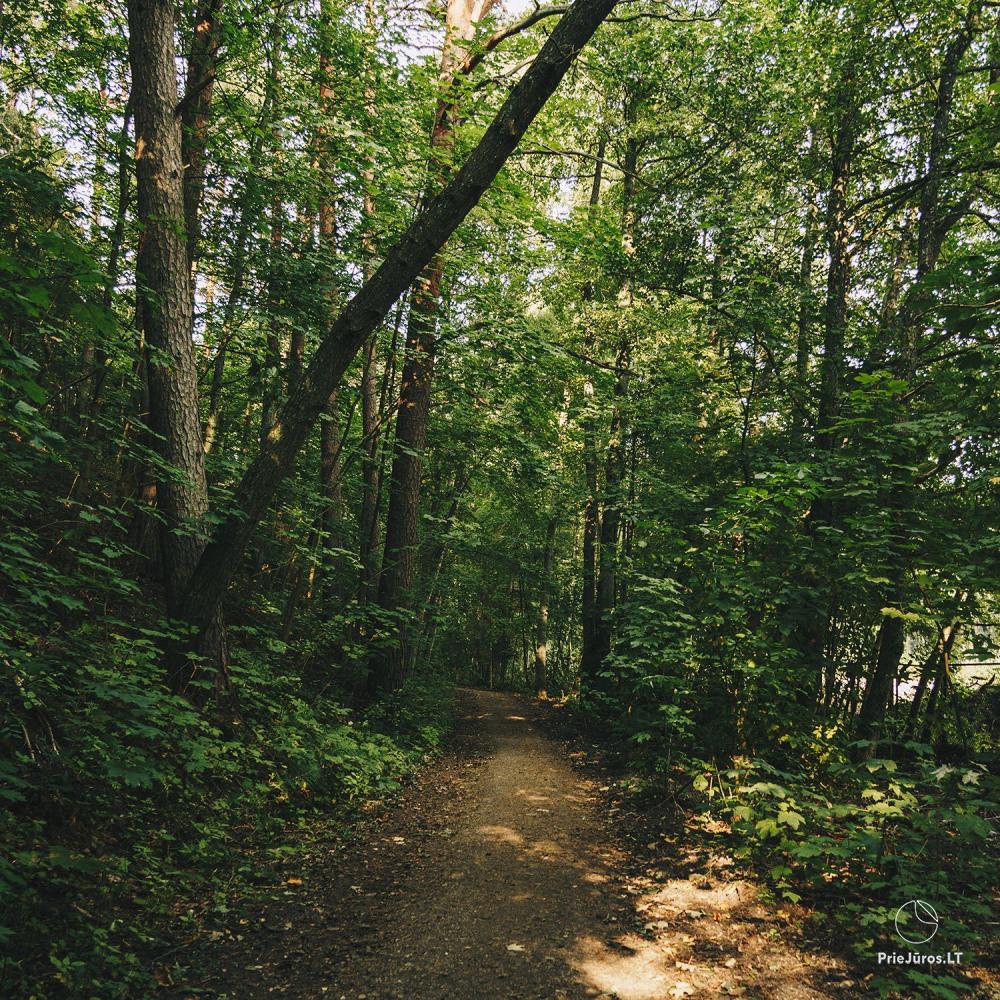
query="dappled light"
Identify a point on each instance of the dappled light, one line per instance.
(540, 903)
(637, 971)
(499, 499)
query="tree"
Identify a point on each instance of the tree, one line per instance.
(414, 249)
(163, 280)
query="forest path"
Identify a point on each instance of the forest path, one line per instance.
(497, 876)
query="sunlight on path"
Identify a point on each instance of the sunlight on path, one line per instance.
(496, 877)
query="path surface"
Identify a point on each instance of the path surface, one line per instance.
(496, 876)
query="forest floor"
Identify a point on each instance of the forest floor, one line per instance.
(504, 870)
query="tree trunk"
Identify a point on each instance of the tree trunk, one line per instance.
(114, 253)
(614, 475)
(816, 609)
(402, 516)
(541, 625)
(163, 278)
(195, 108)
(606, 591)
(803, 345)
(591, 513)
(413, 251)
(368, 519)
(942, 648)
(905, 329)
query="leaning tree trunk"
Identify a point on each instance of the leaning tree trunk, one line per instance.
(412, 252)
(163, 279)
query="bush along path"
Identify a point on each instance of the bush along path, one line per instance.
(503, 871)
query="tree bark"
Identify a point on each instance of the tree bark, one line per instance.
(591, 513)
(163, 279)
(816, 612)
(905, 329)
(195, 108)
(606, 590)
(402, 515)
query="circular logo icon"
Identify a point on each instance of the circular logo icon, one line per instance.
(916, 922)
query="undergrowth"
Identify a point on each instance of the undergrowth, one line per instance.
(138, 823)
(847, 831)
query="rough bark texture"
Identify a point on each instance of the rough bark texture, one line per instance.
(195, 110)
(407, 258)
(164, 282)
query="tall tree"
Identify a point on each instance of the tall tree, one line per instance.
(163, 279)
(405, 260)
(402, 516)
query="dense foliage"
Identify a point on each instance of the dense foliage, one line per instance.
(694, 418)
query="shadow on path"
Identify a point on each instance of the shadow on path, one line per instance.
(496, 876)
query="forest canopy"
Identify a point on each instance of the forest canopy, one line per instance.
(639, 354)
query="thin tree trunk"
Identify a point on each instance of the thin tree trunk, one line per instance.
(401, 529)
(591, 513)
(942, 647)
(606, 591)
(270, 380)
(248, 204)
(368, 520)
(195, 108)
(542, 622)
(814, 626)
(114, 253)
(905, 330)
(803, 339)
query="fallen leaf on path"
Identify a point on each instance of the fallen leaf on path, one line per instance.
(515, 947)
(293, 881)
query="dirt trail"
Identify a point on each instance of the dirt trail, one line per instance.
(496, 876)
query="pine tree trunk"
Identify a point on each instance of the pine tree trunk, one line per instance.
(163, 278)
